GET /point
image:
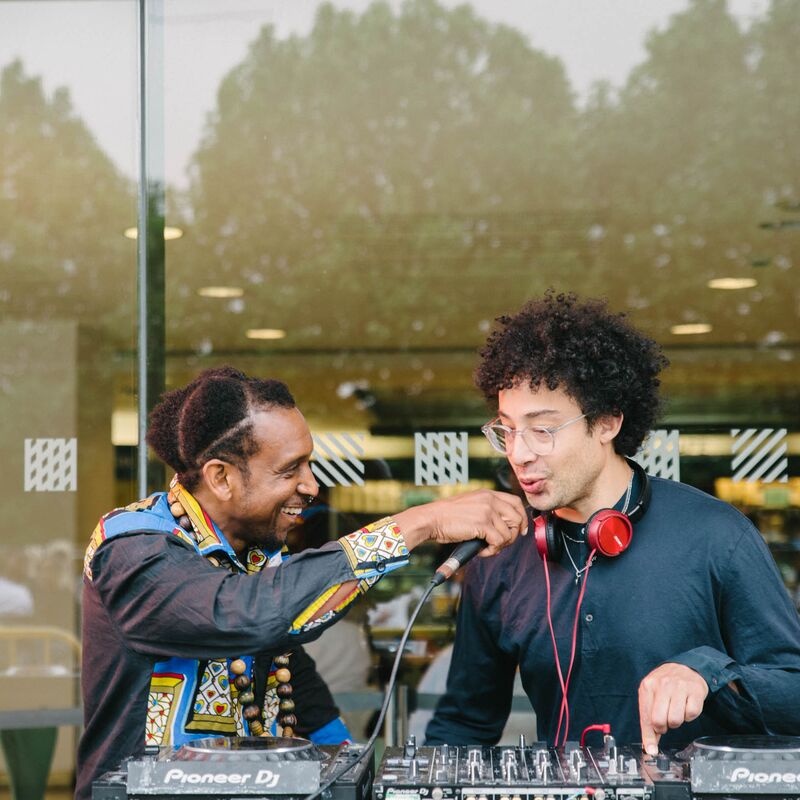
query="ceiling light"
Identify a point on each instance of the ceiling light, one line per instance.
(222, 292)
(732, 283)
(690, 328)
(265, 333)
(169, 233)
(780, 225)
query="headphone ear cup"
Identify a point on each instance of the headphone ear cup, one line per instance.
(540, 534)
(548, 542)
(609, 532)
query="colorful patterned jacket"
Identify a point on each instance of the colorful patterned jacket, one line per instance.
(163, 611)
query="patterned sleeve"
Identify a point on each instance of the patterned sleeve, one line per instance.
(376, 549)
(373, 551)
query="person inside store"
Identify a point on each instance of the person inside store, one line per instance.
(639, 602)
(193, 616)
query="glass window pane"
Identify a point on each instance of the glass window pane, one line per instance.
(67, 328)
(363, 187)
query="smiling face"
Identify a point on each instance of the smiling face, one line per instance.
(266, 500)
(571, 477)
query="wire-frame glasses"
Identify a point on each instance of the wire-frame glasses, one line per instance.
(538, 439)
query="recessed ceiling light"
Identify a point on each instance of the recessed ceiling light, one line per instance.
(265, 333)
(780, 225)
(690, 328)
(169, 233)
(223, 292)
(732, 283)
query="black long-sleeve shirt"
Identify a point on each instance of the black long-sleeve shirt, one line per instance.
(697, 586)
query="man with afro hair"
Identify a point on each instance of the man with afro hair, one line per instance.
(638, 602)
(193, 616)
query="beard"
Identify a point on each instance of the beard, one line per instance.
(269, 539)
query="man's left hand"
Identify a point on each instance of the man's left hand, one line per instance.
(669, 696)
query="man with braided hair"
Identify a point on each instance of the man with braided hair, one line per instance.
(189, 605)
(638, 602)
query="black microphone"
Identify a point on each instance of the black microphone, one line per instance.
(458, 558)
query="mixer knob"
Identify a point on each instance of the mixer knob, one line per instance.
(633, 767)
(410, 749)
(437, 793)
(663, 763)
(522, 740)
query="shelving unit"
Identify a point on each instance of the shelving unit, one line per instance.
(774, 508)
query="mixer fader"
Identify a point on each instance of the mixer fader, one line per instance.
(526, 772)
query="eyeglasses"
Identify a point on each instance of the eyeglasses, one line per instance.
(539, 440)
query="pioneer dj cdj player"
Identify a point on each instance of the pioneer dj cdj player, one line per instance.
(230, 767)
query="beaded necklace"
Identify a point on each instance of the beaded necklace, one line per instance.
(238, 666)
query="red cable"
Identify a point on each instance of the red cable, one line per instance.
(603, 728)
(565, 686)
(555, 647)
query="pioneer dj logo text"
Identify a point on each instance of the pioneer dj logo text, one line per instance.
(744, 774)
(265, 778)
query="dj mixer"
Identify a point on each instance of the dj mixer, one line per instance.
(744, 766)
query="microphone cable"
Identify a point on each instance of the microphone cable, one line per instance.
(434, 582)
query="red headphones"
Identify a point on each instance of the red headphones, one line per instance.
(608, 531)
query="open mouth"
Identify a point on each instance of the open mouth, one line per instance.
(292, 511)
(532, 485)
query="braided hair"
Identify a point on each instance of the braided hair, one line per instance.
(597, 357)
(212, 417)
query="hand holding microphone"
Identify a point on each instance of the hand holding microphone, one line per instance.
(494, 518)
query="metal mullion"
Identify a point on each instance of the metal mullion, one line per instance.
(151, 345)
